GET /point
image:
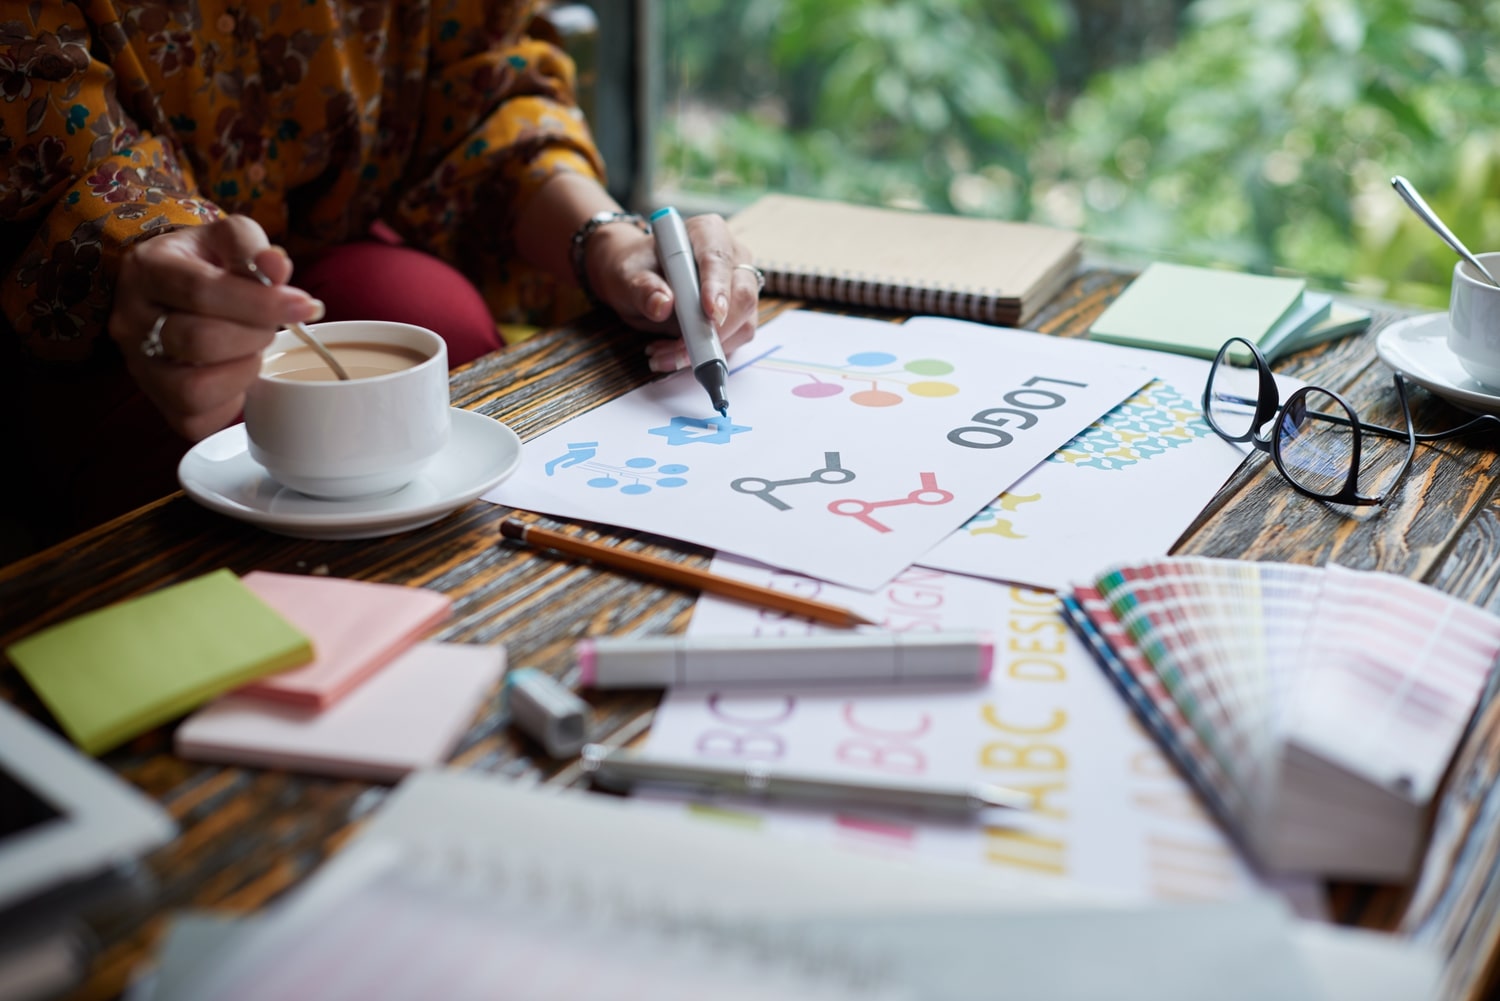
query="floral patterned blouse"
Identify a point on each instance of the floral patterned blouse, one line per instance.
(120, 119)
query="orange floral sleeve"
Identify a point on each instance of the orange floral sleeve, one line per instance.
(121, 120)
(79, 177)
(520, 126)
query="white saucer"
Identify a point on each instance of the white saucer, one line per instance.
(219, 474)
(1417, 347)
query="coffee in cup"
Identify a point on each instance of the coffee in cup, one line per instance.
(360, 359)
(1474, 320)
(369, 435)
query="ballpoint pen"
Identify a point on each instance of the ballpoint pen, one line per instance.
(618, 769)
(705, 354)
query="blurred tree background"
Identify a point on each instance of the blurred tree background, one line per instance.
(1260, 134)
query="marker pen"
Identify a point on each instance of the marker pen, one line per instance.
(546, 711)
(620, 769)
(867, 658)
(705, 354)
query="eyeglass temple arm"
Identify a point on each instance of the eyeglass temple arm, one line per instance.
(1409, 432)
(1481, 422)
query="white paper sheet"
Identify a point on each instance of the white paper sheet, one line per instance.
(1110, 812)
(851, 448)
(1126, 488)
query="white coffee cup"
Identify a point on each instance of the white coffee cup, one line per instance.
(1474, 320)
(369, 435)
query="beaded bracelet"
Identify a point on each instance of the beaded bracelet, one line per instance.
(581, 240)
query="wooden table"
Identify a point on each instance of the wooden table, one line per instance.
(249, 834)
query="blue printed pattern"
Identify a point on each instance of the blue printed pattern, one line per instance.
(1151, 422)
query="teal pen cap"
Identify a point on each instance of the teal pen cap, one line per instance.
(674, 251)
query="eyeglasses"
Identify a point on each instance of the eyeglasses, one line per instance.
(1316, 439)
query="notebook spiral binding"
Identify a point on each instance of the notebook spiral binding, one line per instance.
(762, 960)
(890, 293)
(454, 918)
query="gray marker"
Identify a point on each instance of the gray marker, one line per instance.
(619, 769)
(547, 711)
(705, 354)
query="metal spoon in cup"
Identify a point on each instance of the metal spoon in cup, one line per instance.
(301, 331)
(1424, 212)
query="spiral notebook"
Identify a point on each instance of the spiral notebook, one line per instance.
(1315, 709)
(463, 886)
(990, 270)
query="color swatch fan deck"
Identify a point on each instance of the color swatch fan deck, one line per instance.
(1315, 709)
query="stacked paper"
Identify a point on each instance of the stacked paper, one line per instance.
(358, 699)
(356, 627)
(117, 672)
(371, 705)
(1193, 311)
(408, 716)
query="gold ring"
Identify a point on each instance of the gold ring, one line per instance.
(760, 276)
(152, 347)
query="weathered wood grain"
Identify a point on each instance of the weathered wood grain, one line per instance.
(1257, 516)
(248, 834)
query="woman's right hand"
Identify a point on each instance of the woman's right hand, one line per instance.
(215, 319)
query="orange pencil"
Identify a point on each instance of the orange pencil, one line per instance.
(682, 575)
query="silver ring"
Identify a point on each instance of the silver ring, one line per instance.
(760, 276)
(152, 347)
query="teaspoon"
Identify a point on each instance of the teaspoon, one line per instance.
(302, 332)
(1424, 212)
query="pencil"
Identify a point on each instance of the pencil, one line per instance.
(681, 575)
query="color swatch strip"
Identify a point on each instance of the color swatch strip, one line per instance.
(1278, 688)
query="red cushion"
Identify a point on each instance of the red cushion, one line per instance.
(378, 281)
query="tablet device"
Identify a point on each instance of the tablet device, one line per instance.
(64, 818)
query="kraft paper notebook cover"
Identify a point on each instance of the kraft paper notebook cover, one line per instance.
(111, 674)
(408, 715)
(356, 626)
(918, 262)
(1193, 311)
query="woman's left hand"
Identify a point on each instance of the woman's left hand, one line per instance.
(624, 274)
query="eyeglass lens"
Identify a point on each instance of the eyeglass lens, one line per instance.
(1320, 445)
(1233, 395)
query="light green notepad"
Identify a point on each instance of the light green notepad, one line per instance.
(111, 674)
(1341, 321)
(1188, 310)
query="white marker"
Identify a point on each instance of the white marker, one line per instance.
(705, 354)
(866, 658)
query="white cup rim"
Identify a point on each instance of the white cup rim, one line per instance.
(335, 332)
(1463, 271)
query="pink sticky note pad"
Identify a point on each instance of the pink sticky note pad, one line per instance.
(408, 716)
(355, 626)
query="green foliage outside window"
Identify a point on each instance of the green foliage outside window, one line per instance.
(1260, 134)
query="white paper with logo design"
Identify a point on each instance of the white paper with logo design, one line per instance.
(851, 449)
(1110, 812)
(1126, 488)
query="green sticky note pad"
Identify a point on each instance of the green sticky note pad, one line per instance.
(1193, 311)
(112, 674)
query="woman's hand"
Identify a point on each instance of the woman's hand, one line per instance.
(624, 274)
(192, 324)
